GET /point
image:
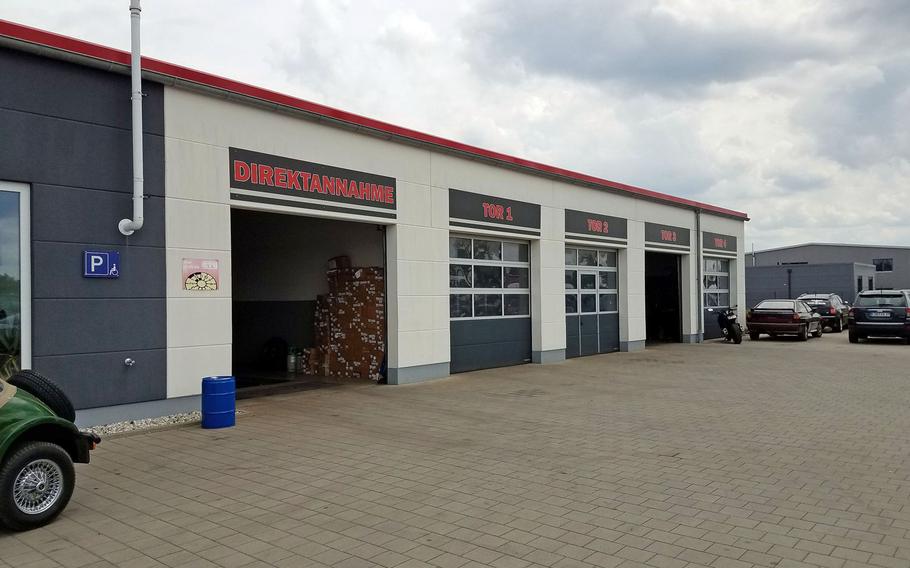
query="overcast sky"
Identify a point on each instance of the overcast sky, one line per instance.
(797, 112)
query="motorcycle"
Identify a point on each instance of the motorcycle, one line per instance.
(726, 319)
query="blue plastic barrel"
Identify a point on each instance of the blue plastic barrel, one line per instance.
(218, 402)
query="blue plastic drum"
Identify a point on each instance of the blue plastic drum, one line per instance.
(218, 402)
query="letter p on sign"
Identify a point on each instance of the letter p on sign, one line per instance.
(101, 264)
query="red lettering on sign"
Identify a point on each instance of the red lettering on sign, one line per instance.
(720, 243)
(494, 211)
(265, 175)
(241, 171)
(294, 179)
(300, 180)
(281, 178)
(668, 236)
(598, 226)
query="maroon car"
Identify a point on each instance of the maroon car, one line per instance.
(783, 317)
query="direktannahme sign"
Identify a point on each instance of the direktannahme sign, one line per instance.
(595, 224)
(666, 235)
(716, 241)
(278, 175)
(469, 206)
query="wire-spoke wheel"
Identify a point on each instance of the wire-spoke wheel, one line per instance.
(36, 483)
(38, 486)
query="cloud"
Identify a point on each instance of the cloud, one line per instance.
(639, 44)
(796, 112)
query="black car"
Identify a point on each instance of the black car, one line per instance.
(833, 310)
(880, 313)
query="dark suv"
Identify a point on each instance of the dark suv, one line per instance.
(880, 313)
(830, 307)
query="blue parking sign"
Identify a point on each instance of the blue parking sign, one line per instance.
(101, 264)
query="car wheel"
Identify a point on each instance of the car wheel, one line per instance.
(838, 326)
(36, 483)
(46, 391)
(854, 338)
(804, 333)
(818, 332)
(754, 335)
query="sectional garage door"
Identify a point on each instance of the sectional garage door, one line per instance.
(489, 302)
(592, 301)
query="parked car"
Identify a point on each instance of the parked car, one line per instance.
(783, 317)
(830, 307)
(38, 445)
(880, 313)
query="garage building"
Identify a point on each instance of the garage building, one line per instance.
(273, 223)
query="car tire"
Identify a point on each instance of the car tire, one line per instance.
(754, 335)
(46, 391)
(852, 336)
(818, 332)
(43, 475)
(804, 333)
(838, 326)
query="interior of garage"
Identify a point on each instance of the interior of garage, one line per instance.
(663, 313)
(308, 300)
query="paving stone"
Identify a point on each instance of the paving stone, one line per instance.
(660, 462)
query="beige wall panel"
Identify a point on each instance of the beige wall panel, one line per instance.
(196, 171)
(197, 225)
(187, 366)
(200, 118)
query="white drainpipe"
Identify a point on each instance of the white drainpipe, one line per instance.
(130, 226)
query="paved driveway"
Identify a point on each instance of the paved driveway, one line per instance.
(771, 453)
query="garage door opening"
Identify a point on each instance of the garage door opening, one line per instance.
(308, 301)
(663, 314)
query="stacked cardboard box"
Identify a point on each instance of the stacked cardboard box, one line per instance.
(350, 325)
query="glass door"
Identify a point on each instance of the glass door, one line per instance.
(15, 305)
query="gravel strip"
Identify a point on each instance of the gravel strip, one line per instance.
(130, 426)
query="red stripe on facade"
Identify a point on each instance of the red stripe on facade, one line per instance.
(104, 53)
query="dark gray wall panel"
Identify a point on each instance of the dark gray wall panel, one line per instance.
(765, 282)
(50, 150)
(101, 379)
(66, 132)
(73, 215)
(91, 326)
(56, 88)
(588, 335)
(609, 333)
(572, 346)
(58, 268)
(483, 344)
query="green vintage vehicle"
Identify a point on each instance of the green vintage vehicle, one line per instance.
(38, 445)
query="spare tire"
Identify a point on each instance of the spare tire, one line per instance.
(45, 390)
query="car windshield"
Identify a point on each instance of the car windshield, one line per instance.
(884, 300)
(775, 305)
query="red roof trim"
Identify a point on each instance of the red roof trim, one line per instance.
(104, 53)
